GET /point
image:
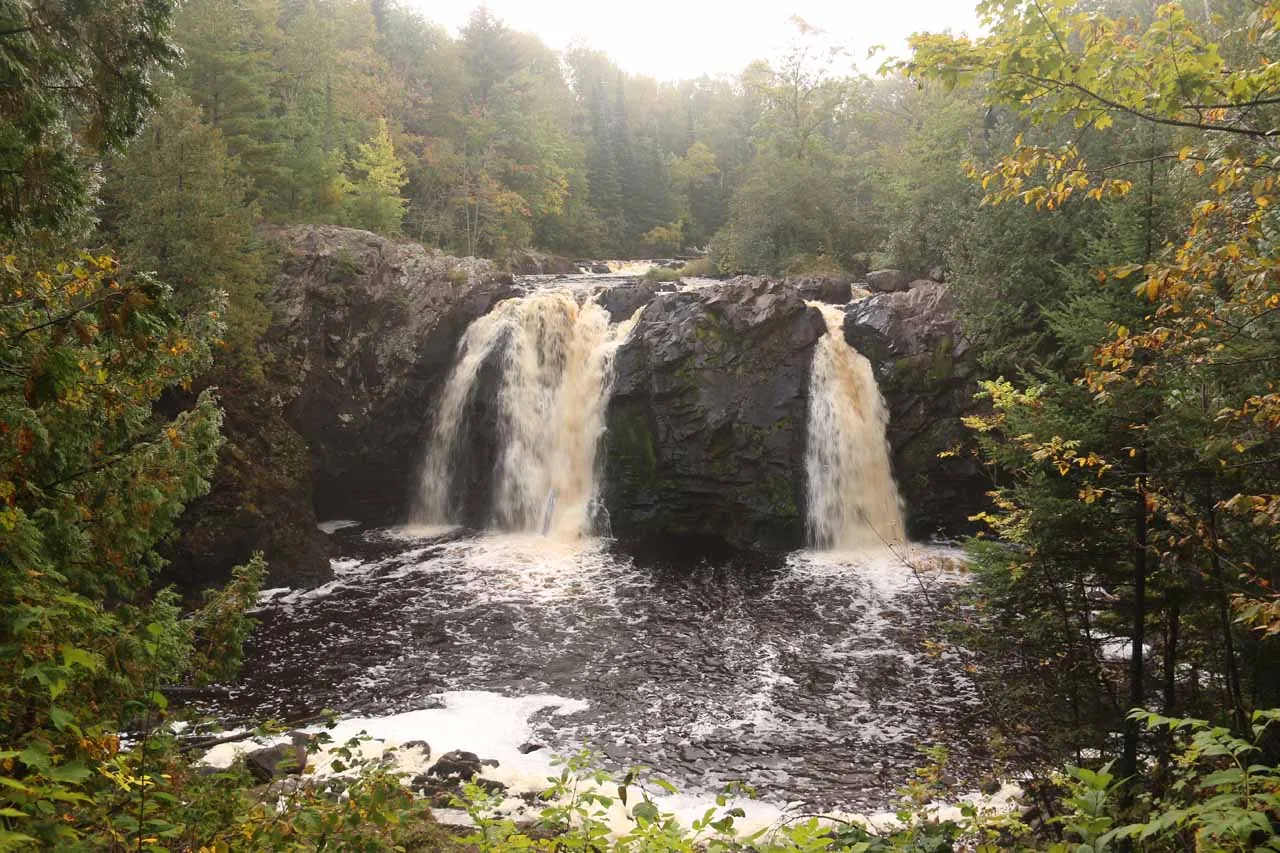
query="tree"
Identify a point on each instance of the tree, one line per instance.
(373, 199)
(1185, 459)
(77, 85)
(180, 210)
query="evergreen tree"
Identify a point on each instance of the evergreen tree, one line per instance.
(180, 210)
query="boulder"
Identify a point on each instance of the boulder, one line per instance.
(623, 300)
(928, 377)
(938, 274)
(457, 764)
(363, 335)
(888, 281)
(706, 425)
(835, 290)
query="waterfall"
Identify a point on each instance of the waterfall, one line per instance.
(852, 498)
(556, 372)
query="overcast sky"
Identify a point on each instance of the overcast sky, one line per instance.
(676, 39)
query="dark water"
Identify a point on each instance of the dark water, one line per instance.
(805, 675)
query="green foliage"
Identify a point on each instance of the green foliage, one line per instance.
(662, 274)
(92, 480)
(50, 132)
(372, 201)
(180, 209)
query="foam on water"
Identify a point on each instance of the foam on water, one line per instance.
(806, 676)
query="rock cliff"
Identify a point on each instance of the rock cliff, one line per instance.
(363, 333)
(928, 377)
(706, 426)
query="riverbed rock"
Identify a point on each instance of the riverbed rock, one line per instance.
(835, 290)
(706, 426)
(363, 333)
(928, 376)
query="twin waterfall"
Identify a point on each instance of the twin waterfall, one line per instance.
(852, 499)
(555, 371)
(554, 356)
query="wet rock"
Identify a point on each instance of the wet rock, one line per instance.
(706, 425)
(928, 376)
(280, 760)
(531, 746)
(888, 280)
(625, 299)
(457, 764)
(539, 263)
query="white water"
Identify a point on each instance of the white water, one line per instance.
(853, 501)
(556, 373)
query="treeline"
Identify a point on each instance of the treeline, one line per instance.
(363, 113)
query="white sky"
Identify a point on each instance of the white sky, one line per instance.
(677, 39)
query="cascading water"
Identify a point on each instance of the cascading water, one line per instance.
(852, 499)
(555, 372)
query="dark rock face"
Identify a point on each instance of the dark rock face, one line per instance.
(830, 289)
(363, 334)
(706, 426)
(928, 377)
(260, 499)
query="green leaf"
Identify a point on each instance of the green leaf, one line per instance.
(73, 772)
(72, 656)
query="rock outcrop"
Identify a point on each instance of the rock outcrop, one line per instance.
(363, 333)
(706, 426)
(928, 377)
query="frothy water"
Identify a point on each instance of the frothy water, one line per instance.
(555, 374)
(853, 502)
(807, 676)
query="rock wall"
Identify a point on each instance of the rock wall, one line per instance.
(706, 426)
(928, 378)
(363, 334)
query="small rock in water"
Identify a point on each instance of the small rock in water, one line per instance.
(420, 745)
(457, 765)
(531, 746)
(279, 760)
